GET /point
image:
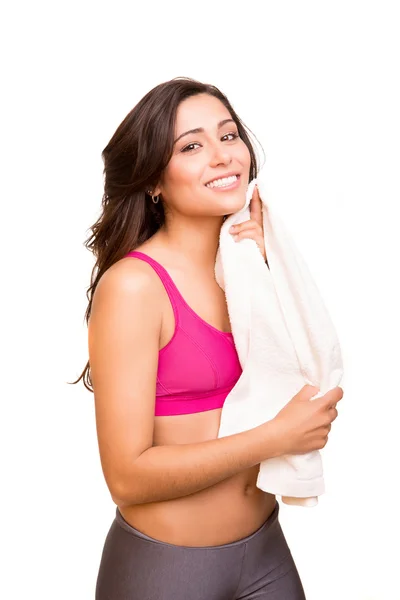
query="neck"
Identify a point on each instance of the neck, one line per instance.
(195, 241)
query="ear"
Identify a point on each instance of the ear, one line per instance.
(157, 189)
(154, 191)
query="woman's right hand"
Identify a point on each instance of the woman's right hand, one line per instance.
(303, 425)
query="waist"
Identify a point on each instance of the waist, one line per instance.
(200, 524)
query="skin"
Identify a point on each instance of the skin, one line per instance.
(204, 507)
(194, 212)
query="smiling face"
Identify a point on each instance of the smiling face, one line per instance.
(214, 152)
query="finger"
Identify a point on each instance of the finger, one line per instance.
(256, 207)
(334, 413)
(251, 234)
(246, 226)
(332, 396)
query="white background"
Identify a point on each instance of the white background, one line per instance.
(318, 83)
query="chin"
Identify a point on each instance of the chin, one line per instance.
(226, 203)
(232, 207)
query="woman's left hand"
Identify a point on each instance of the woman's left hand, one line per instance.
(253, 228)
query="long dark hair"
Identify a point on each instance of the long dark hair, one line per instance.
(134, 160)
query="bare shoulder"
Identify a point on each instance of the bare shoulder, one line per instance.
(129, 274)
(132, 280)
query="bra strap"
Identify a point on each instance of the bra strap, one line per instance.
(169, 285)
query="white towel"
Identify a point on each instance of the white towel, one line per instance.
(285, 339)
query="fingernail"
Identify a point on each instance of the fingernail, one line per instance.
(232, 228)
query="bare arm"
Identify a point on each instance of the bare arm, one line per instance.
(166, 472)
(124, 331)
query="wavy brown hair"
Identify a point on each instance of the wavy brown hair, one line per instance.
(134, 160)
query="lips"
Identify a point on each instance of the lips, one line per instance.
(232, 183)
(222, 176)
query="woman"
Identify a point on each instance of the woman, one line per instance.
(190, 522)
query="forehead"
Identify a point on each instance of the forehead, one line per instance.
(201, 110)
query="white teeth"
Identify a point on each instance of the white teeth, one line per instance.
(222, 182)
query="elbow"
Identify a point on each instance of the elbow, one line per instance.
(117, 497)
(127, 486)
(123, 493)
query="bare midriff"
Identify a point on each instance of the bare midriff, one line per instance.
(225, 512)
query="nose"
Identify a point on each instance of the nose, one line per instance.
(220, 155)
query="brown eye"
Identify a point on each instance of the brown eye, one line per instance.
(188, 147)
(235, 135)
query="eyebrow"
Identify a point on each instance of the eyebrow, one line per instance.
(201, 129)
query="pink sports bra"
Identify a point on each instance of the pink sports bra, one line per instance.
(199, 365)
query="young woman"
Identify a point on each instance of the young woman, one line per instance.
(190, 522)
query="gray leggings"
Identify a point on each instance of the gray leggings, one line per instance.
(135, 566)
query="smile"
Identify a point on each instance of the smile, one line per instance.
(224, 182)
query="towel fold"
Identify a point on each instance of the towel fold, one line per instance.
(284, 337)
